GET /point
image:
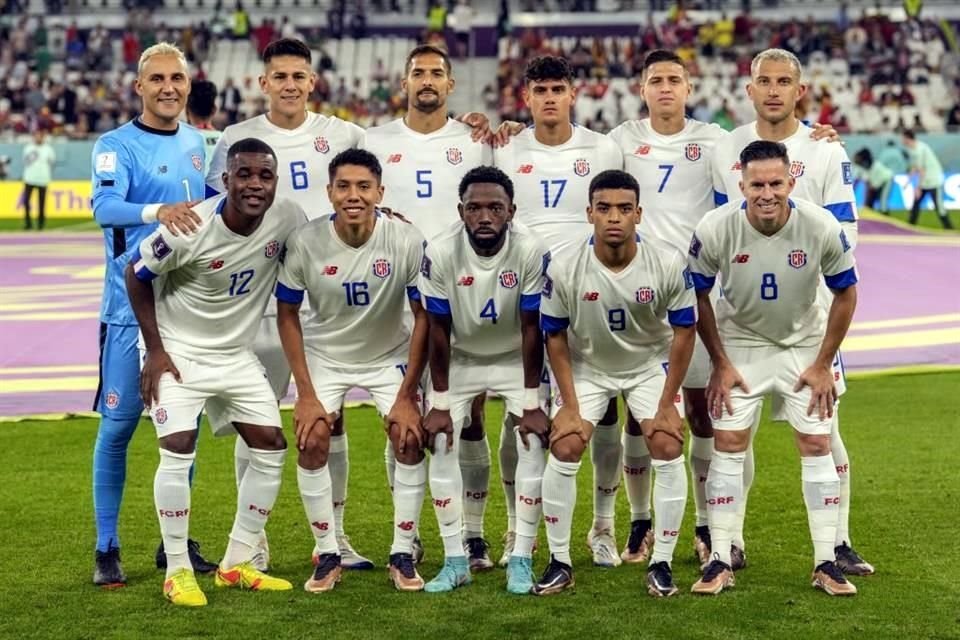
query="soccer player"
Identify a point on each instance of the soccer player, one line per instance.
(359, 269)
(878, 179)
(197, 325)
(304, 142)
(481, 282)
(424, 156)
(552, 164)
(926, 166)
(148, 170)
(629, 305)
(770, 335)
(824, 176)
(201, 107)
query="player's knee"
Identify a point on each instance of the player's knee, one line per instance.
(265, 438)
(312, 456)
(731, 441)
(183, 442)
(611, 417)
(568, 449)
(664, 447)
(410, 452)
(813, 445)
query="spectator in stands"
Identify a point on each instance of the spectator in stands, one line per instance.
(462, 18)
(241, 22)
(436, 17)
(878, 179)
(724, 117)
(358, 23)
(131, 49)
(953, 118)
(38, 160)
(230, 100)
(335, 20)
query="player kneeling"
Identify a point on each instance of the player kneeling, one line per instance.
(197, 328)
(358, 269)
(619, 316)
(481, 280)
(770, 336)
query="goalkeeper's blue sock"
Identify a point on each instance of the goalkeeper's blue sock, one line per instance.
(109, 475)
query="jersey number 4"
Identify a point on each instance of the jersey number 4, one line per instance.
(489, 312)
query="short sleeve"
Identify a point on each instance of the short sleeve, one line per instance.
(534, 269)
(554, 311)
(679, 293)
(838, 196)
(162, 252)
(218, 164)
(839, 266)
(415, 253)
(291, 282)
(432, 283)
(701, 259)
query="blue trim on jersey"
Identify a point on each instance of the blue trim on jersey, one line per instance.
(438, 306)
(220, 207)
(842, 280)
(552, 324)
(682, 317)
(288, 295)
(209, 192)
(413, 293)
(842, 211)
(530, 302)
(702, 282)
(144, 274)
(719, 198)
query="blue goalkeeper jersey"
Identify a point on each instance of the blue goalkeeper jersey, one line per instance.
(135, 166)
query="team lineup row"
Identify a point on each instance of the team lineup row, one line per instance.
(671, 159)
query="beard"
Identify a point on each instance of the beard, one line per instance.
(486, 242)
(428, 107)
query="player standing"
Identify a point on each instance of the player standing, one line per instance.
(197, 325)
(424, 156)
(359, 269)
(926, 166)
(771, 335)
(201, 107)
(148, 170)
(824, 176)
(481, 282)
(628, 304)
(304, 142)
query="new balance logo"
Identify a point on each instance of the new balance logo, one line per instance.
(260, 510)
(465, 281)
(216, 264)
(642, 150)
(394, 158)
(167, 513)
(406, 525)
(330, 270)
(525, 168)
(591, 296)
(741, 258)
(442, 503)
(321, 526)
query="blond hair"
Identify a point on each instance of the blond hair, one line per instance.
(161, 49)
(776, 55)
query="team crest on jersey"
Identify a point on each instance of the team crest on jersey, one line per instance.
(692, 152)
(160, 248)
(112, 399)
(642, 150)
(197, 162)
(381, 268)
(272, 249)
(508, 279)
(581, 167)
(321, 144)
(797, 258)
(454, 156)
(797, 168)
(645, 295)
(160, 415)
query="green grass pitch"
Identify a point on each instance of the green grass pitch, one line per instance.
(901, 433)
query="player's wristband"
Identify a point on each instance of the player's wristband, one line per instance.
(531, 399)
(440, 401)
(149, 213)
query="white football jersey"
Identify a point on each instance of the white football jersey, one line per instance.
(551, 183)
(422, 172)
(357, 295)
(303, 155)
(620, 322)
(822, 170)
(674, 172)
(770, 283)
(483, 295)
(214, 284)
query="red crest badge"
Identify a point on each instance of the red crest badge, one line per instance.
(508, 279)
(321, 145)
(454, 156)
(381, 268)
(273, 248)
(692, 152)
(645, 295)
(197, 162)
(796, 168)
(581, 167)
(160, 415)
(112, 400)
(797, 258)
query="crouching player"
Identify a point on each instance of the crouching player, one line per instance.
(359, 269)
(619, 316)
(481, 280)
(197, 325)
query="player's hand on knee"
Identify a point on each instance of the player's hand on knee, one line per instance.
(823, 393)
(568, 423)
(309, 415)
(723, 379)
(155, 364)
(405, 417)
(435, 423)
(179, 217)
(667, 420)
(534, 422)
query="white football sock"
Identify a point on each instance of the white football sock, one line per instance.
(316, 491)
(171, 496)
(255, 499)
(241, 459)
(339, 465)
(606, 454)
(748, 473)
(669, 500)
(701, 450)
(821, 493)
(636, 475)
(530, 468)
(390, 461)
(559, 499)
(446, 489)
(724, 494)
(508, 470)
(410, 485)
(475, 470)
(842, 462)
